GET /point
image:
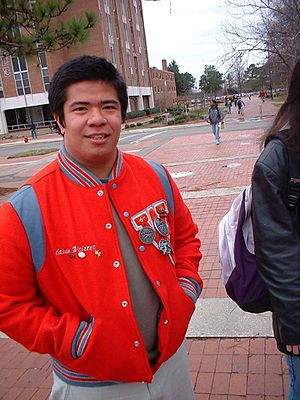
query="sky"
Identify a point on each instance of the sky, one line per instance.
(187, 31)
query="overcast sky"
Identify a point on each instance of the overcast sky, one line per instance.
(189, 34)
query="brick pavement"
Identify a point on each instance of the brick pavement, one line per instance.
(222, 368)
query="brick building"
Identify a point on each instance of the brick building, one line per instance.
(164, 86)
(119, 36)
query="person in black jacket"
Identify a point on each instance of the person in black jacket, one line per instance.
(276, 228)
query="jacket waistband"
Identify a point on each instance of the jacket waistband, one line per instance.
(74, 378)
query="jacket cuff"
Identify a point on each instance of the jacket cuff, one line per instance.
(191, 287)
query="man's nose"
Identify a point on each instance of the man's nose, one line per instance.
(96, 116)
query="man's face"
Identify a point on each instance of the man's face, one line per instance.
(92, 125)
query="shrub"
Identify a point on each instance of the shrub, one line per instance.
(158, 118)
(179, 119)
(153, 110)
(135, 114)
(139, 124)
(175, 110)
(192, 117)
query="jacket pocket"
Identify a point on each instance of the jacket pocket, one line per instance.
(81, 337)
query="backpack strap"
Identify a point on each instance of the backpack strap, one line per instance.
(165, 182)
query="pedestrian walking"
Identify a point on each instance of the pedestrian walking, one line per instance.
(33, 130)
(99, 264)
(228, 104)
(276, 227)
(241, 106)
(234, 99)
(214, 118)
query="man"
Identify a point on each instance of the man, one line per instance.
(33, 130)
(241, 106)
(99, 263)
(215, 117)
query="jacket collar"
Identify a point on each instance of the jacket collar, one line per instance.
(81, 175)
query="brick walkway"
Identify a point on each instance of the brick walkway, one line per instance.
(248, 368)
(233, 369)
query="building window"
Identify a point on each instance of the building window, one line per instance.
(129, 63)
(123, 10)
(109, 28)
(21, 75)
(113, 58)
(1, 88)
(44, 70)
(126, 35)
(139, 41)
(136, 15)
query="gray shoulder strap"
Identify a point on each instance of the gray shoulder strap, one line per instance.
(165, 182)
(26, 205)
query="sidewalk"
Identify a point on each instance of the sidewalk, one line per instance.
(231, 357)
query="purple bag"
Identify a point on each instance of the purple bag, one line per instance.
(242, 281)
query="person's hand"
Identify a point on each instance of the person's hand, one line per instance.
(294, 349)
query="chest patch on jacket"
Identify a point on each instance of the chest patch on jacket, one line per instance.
(152, 226)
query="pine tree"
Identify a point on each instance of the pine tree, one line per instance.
(27, 27)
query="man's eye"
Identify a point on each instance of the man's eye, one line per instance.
(110, 106)
(80, 109)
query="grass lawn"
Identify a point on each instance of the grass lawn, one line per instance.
(31, 153)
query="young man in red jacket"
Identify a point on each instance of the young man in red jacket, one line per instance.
(99, 264)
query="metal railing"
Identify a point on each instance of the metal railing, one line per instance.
(21, 127)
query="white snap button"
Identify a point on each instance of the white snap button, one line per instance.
(136, 343)
(158, 283)
(166, 322)
(108, 226)
(100, 192)
(81, 254)
(116, 264)
(124, 303)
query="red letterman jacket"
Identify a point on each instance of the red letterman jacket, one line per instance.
(71, 300)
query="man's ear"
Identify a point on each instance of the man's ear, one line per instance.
(61, 127)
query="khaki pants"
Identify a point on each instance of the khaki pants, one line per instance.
(171, 382)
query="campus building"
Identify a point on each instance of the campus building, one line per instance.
(164, 86)
(119, 36)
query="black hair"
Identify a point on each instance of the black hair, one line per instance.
(287, 119)
(84, 68)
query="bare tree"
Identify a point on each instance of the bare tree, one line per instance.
(270, 27)
(235, 73)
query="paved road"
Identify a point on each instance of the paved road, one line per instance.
(232, 354)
